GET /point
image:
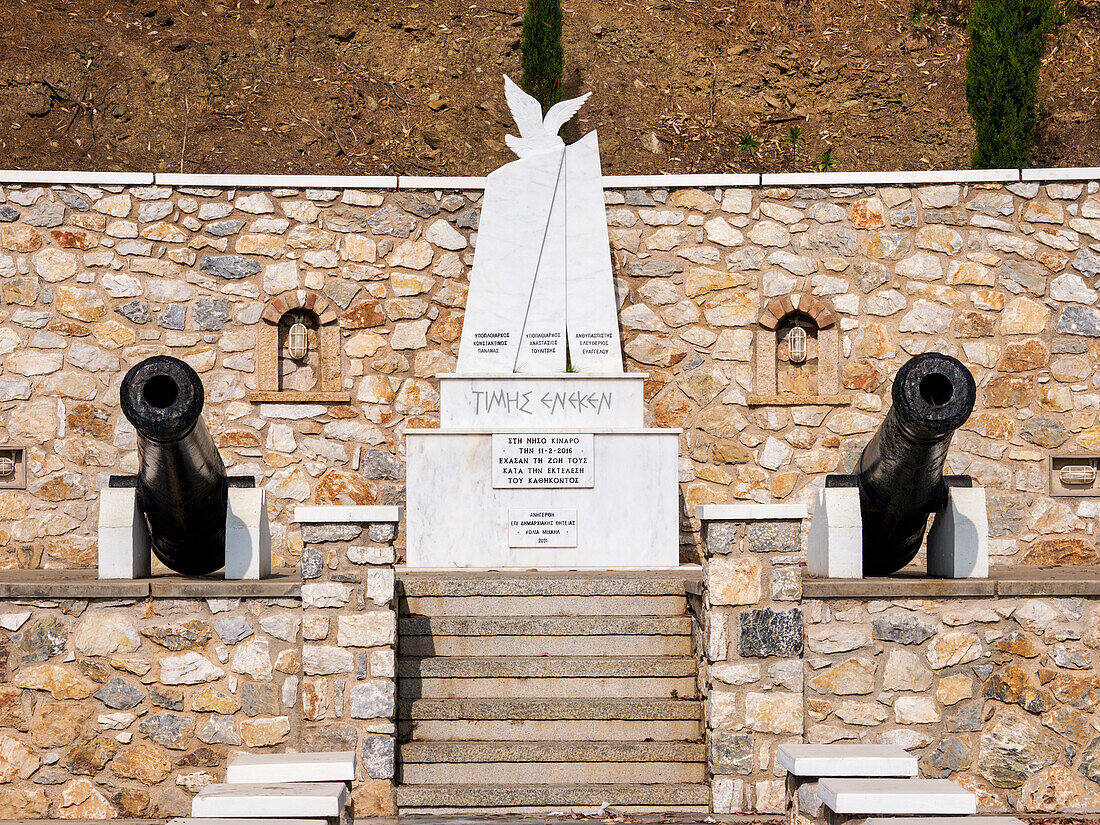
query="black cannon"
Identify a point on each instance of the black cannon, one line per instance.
(182, 489)
(900, 474)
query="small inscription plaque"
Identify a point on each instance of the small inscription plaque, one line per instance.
(542, 528)
(542, 460)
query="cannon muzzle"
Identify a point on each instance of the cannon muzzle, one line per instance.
(900, 473)
(181, 482)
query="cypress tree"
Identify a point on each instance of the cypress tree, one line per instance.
(542, 51)
(1007, 38)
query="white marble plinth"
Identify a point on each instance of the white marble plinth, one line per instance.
(834, 548)
(456, 518)
(247, 534)
(958, 543)
(569, 400)
(123, 537)
(846, 760)
(335, 766)
(271, 800)
(895, 796)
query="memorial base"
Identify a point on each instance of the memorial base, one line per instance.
(627, 518)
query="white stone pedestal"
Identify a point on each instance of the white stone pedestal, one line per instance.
(123, 538)
(834, 548)
(629, 517)
(247, 534)
(958, 543)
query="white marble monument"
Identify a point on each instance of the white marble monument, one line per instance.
(542, 458)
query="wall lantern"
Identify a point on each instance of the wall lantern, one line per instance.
(796, 344)
(297, 341)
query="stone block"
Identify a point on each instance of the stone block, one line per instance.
(124, 551)
(958, 543)
(247, 534)
(766, 632)
(835, 545)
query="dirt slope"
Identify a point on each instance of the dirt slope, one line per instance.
(353, 86)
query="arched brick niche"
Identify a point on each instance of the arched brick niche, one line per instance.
(315, 377)
(813, 377)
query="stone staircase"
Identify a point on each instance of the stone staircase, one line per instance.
(536, 692)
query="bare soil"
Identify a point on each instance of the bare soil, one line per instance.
(394, 87)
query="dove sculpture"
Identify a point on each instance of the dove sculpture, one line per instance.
(537, 134)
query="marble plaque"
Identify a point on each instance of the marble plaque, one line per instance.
(542, 348)
(529, 402)
(592, 318)
(542, 460)
(515, 212)
(542, 528)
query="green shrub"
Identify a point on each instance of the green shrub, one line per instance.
(542, 51)
(1007, 38)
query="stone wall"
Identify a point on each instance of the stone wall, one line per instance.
(94, 279)
(126, 707)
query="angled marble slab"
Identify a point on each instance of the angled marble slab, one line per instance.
(846, 760)
(514, 215)
(592, 318)
(295, 800)
(542, 348)
(896, 796)
(335, 766)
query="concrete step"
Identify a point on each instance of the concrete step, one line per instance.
(870, 797)
(426, 646)
(294, 800)
(532, 709)
(554, 730)
(601, 605)
(334, 766)
(591, 751)
(534, 797)
(559, 583)
(552, 773)
(553, 688)
(575, 667)
(544, 626)
(841, 759)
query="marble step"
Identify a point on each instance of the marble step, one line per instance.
(552, 773)
(534, 797)
(532, 709)
(612, 583)
(442, 646)
(943, 820)
(336, 766)
(550, 688)
(554, 730)
(544, 626)
(846, 760)
(266, 800)
(499, 667)
(674, 605)
(189, 820)
(581, 751)
(871, 797)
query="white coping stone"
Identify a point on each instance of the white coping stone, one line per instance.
(16, 176)
(883, 178)
(291, 181)
(266, 800)
(565, 400)
(1063, 173)
(846, 760)
(834, 547)
(188, 820)
(124, 551)
(457, 519)
(943, 820)
(441, 183)
(678, 181)
(958, 543)
(252, 768)
(749, 512)
(896, 796)
(345, 513)
(247, 534)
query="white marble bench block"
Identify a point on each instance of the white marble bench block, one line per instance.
(123, 537)
(834, 548)
(247, 534)
(336, 766)
(958, 543)
(944, 820)
(895, 796)
(270, 800)
(846, 760)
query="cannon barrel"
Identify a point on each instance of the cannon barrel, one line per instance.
(181, 482)
(900, 473)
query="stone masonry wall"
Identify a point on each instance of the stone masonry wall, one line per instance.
(128, 707)
(94, 279)
(999, 695)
